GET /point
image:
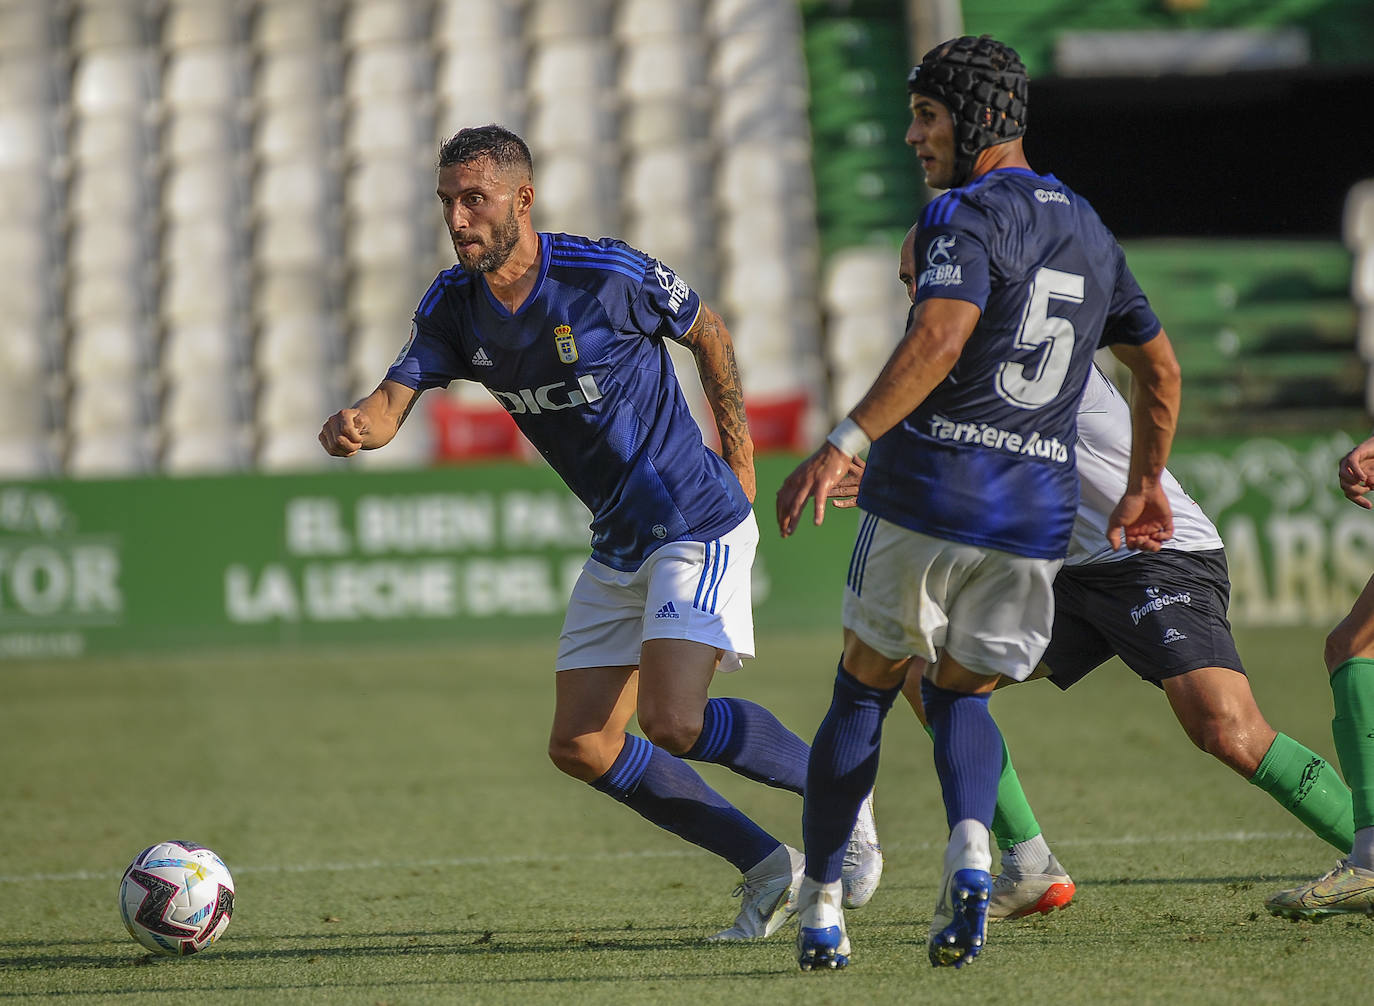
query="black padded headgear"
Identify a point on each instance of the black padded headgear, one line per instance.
(984, 85)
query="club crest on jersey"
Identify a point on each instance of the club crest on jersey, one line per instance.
(563, 340)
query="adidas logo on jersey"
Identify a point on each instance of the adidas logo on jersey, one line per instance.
(667, 611)
(481, 359)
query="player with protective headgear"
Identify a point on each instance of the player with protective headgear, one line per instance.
(970, 488)
(984, 86)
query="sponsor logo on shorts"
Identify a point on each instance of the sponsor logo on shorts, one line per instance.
(667, 611)
(1172, 635)
(1157, 600)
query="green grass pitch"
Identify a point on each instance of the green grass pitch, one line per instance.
(398, 836)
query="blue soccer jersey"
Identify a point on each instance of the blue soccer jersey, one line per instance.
(583, 368)
(988, 457)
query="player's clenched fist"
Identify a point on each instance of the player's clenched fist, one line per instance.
(343, 432)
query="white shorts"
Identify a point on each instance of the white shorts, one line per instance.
(908, 593)
(685, 590)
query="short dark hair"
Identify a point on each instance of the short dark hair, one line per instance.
(502, 147)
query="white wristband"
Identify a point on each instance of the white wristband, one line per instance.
(849, 438)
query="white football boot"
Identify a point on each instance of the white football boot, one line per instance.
(863, 858)
(769, 891)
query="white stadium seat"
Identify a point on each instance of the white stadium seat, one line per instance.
(100, 296)
(213, 347)
(370, 21)
(286, 131)
(101, 454)
(292, 241)
(756, 172)
(380, 239)
(387, 68)
(28, 457)
(297, 344)
(110, 23)
(191, 136)
(201, 22)
(294, 450)
(781, 21)
(662, 67)
(572, 121)
(571, 64)
(387, 126)
(199, 245)
(109, 350)
(299, 186)
(297, 402)
(26, 137)
(205, 79)
(28, 79)
(576, 195)
(114, 80)
(114, 191)
(457, 22)
(296, 78)
(291, 24)
(105, 404)
(206, 452)
(26, 28)
(203, 402)
(860, 278)
(116, 139)
(391, 185)
(481, 67)
(635, 20)
(108, 246)
(203, 189)
(668, 177)
(561, 19)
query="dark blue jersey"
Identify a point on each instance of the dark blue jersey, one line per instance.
(988, 457)
(583, 368)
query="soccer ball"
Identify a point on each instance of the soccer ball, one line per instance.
(176, 898)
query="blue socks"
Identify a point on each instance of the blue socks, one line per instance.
(968, 752)
(668, 792)
(748, 739)
(841, 771)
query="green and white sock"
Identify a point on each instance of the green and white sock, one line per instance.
(1306, 786)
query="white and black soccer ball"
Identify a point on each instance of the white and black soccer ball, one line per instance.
(176, 898)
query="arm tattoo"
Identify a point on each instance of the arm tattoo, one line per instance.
(710, 344)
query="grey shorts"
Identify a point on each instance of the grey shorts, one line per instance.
(1162, 613)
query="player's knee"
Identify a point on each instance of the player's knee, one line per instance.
(672, 730)
(580, 757)
(1234, 741)
(1340, 646)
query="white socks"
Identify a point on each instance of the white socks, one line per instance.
(1030, 856)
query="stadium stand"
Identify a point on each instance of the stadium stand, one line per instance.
(221, 211)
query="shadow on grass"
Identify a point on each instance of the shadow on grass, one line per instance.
(50, 955)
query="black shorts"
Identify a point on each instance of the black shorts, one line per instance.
(1163, 613)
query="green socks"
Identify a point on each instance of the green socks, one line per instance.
(1013, 821)
(1352, 690)
(1307, 787)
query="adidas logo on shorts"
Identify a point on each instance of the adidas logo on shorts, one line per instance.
(667, 611)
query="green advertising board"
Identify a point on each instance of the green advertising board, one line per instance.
(363, 555)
